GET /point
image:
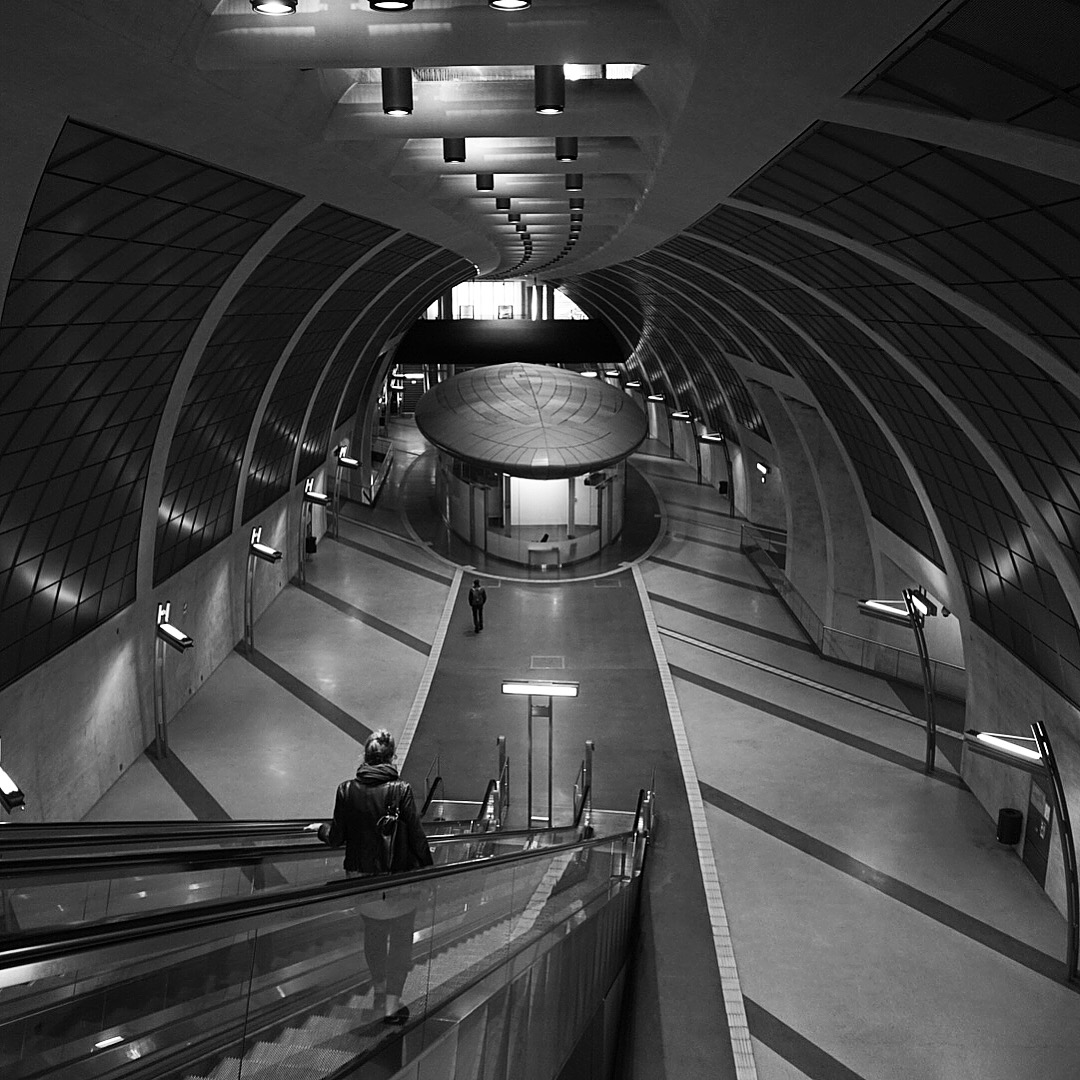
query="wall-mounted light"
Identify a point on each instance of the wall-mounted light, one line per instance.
(612, 373)
(589, 374)
(712, 436)
(550, 88)
(574, 181)
(566, 148)
(453, 150)
(485, 181)
(261, 550)
(319, 498)
(682, 414)
(397, 99)
(274, 7)
(922, 603)
(633, 384)
(890, 611)
(1014, 749)
(656, 397)
(763, 469)
(11, 796)
(343, 456)
(170, 634)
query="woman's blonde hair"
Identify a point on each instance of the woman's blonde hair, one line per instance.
(379, 748)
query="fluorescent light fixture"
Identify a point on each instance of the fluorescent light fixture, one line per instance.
(712, 436)
(390, 5)
(1004, 744)
(397, 96)
(574, 72)
(656, 397)
(589, 374)
(319, 498)
(622, 71)
(633, 384)
(922, 604)
(544, 689)
(112, 1040)
(612, 374)
(174, 636)
(681, 414)
(10, 796)
(890, 611)
(266, 553)
(509, 5)
(762, 468)
(274, 7)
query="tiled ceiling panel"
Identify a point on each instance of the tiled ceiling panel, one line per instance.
(207, 450)
(124, 249)
(993, 60)
(428, 278)
(1004, 237)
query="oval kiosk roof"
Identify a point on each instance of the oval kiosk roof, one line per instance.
(533, 421)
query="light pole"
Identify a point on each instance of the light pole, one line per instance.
(343, 462)
(917, 606)
(1039, 760)
(256, 551)
(540, 694)
(165, 634)
(311, 498)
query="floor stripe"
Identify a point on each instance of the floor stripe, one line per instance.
(824, 688)
(364, 617)
(945, 914)
(423, 571)
(724, 579)
(856, 742)
(742, 1047)
(404, 537)
(412, 721)
(698, 509)
(733, 548)
(792, 643)
(184, 782)
(311, 698)
(794, 1048)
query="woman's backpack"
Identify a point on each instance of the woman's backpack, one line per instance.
(388, 826)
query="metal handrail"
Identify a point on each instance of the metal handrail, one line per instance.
(57, 942)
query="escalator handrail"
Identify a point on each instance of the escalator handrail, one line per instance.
(481, 814)
(41, 834)
(435, 785)
(58, 942)
(211, 858)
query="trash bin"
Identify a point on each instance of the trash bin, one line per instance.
(1010, 826)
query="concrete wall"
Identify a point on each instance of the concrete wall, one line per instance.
(1004, 696)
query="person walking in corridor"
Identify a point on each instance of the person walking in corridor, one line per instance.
(477, 600)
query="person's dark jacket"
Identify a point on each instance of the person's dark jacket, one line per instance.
(359, 805)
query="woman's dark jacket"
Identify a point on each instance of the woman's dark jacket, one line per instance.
(359, 805)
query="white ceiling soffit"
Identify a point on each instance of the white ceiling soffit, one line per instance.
(716, 90)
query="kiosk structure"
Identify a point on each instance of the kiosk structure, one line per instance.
(531, 460)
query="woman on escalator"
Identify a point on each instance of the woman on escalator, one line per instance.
(364, 820)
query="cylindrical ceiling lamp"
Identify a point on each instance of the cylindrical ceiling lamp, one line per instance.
(566, 148)
(519, 226)
(502, 202)
(550, 85)
(390, 5)
(577, 215)
(574, 181)
(514, 217)
(575, 227)
(274, 7)
(485, 181)
(509, 5)
(397, 91)
(453, 149)
(577, 204)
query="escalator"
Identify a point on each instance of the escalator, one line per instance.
(519, 950)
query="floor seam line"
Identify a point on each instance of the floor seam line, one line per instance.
(738, 1027)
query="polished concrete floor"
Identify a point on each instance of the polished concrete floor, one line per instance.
(879, 930)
